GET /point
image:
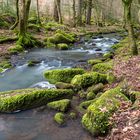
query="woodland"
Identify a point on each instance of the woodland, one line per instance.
(70, 69)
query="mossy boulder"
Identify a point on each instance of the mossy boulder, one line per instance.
(61, 85)
(94, 61)
(60, 38)
(1, 70)
(62, 75)
(89, 79)
(96, 120)
(103, 67)
(62, 46)
(24, 99)
(96, 88)
(61, 105)
(59, 118)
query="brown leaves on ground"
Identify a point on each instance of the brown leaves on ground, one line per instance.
(127, 124)
(129, 70)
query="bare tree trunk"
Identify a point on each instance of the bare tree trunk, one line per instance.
(89, 11)
(55, 14)
(79, 12)
(132, 41)
(17, 14)
(22, 17)
(58, 4)
(74, 14)
(38, 14)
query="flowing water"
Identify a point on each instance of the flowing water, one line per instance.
(36, 125)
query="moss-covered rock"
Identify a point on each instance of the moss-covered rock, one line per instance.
(1, 70)
(62, 75)
(29, 98)
(59, 118)
(62, 46)
(88, 79)
(90, 95)
(96, 120)
(103, 67)
(94, 61)
(108, 55)
(96, 88)
(61, 105)
(61, 85)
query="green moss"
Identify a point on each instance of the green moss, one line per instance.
(73, 115)
(29, 98)
(16, 49)
(90, 95)
(111, 78)
(53, 26)
(33, 63)
(96, 88)
(27, 41)
(59, 118)
(82, 94)
(62, 75)
(7, 39)
(108, 55)
(60, 38)
(103, 67)
(84, 105)
(61, 105)
(94, 61)
(62, 46)
(5, 64)
(88, 79)
(61, 85)
(96, 120)
(35, 27)
(1, 70)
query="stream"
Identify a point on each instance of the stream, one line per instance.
(39, 125)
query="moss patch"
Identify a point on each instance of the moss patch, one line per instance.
(88, 79)
(61, 105)
(59, 118)
(62, 46)
(94, 61)
(62, 75)
(103, 67)
(96, 120)
(29, 98)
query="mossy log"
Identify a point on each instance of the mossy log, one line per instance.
(24, 99)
